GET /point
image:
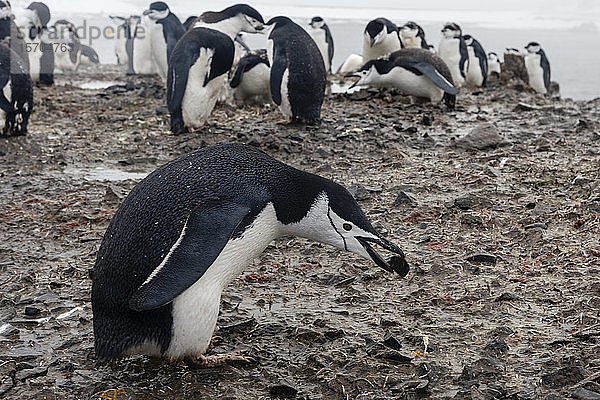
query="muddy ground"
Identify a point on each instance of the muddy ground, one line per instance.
(496, 204)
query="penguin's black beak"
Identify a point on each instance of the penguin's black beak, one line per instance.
(372, 41)
(353, 75)
(239, 40)
(396, 264)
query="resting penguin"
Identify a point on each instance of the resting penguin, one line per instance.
(10, 34)
(298, 76)
(319, 31)
(33, 23)
(380, 39)
(166, 29)
(414, 71)
(538, 68)
(412, 35)
(191, 227)
(67, 46)
(16, 96)
(250, 81)
(477, 69)
(453, 51)
(200, 63)
(493, 64)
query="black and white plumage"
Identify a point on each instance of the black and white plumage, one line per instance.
(10, 33)
(165, 31)
(89, 55)
(200, 62)
(493, 64)
(191, 227)
(414, 71)
(121, 33)
(251, 79)
(33, 23)
(453, 51)
(381, 37)
(189, 22)
(319, 31)
(298, 76)
(412, 35)
(67, 46)
(538, 68)
(16, 94)
(477, 69)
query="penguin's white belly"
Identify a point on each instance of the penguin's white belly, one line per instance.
(474, 73)
(319, 37)
(35, 56)
(449, 51)
(388, 45)
(493, 67)
(120, 46)
(195, 311)
(352, 63)
(255, 85)
(143, 63)
(7, 90)
(413, 85)
(159, 51)
(535, 73)
(63, 62)
(285, 107)
(198, 100)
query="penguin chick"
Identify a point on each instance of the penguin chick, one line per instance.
(493, 64)
(412, 35)
(250, 81)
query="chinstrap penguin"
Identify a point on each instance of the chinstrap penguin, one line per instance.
(200, 62)
(412, 35)
(493, 64)
(33, 23)
(120, 34)
(453, 50)
(16, 95)
(319, 31)
(10, 34)
(298, 77)
(67, 46)
(414, 71)
(191, 227)
(381, 37)
(477, 69)
(251, 79)
(538, 68)
(166, 29)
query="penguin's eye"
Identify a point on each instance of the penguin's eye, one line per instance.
(347, 226)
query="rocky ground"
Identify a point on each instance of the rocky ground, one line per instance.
(496, 204)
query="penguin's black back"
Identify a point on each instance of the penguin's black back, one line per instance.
(307, 77)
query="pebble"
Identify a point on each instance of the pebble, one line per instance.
(537, 225)
(584, 394)
(30, 373)
(8, 330)
(564, 376)
(482, 137)
(405, 198)
(390, 341)
(32, 311)
(284, 389)
(483, 259)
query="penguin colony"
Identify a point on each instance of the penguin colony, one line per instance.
(190, 227)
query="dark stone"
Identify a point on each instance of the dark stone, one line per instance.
(415, 385)
(537, 225)
(584, 394)
(496, 347)
(483, 259)
(30, 373)
(483, 367)
(564, 376)
(390, 341)
(405, 198)
(32, 311)
(284, 389)
(482, 137)
(23, 354)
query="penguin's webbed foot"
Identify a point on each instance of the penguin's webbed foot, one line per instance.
(219, 360)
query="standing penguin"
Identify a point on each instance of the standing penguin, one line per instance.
(250, 80)
(538, 67)
(477, 69)
(67, 46)
(191, 227)
(493, 64)
(319, 31)
(381, 38)
(166, 29)
(10, 34)
(120, 28)
(414, 71)
(200, 63)
(453, 51)
(412, 35)
(298, 76)
(16, 94)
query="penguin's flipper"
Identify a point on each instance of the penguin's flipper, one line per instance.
(239, 72)
(280, 64)
(90, 53)
(483, 61)
(545, 68)
(203, 237)
(464, 57)
(429, 71)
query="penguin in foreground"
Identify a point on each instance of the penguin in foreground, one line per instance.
(538, 68)
(251, 79)
(16, 94)
(191, 227)
(319, 31)
(200, 62)
(10, 33)
(166, 29)
(67, 46)
(453, 51)
(412, 35)
(477, 69)
(381, 38)
(414, 71)
(493, 64)
(298, 76)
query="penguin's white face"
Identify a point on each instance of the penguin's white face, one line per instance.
(533, 48)
(317, 24)
(5, 10)
(250, 24)
(366, 76)
(407, 32)
(469, 41)
(493, 57)
(157, 15)
(450, 33)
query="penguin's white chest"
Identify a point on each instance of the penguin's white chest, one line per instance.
(35, 56)
(285, 107)
(195, 311)
(7, 90)
(159, 50)
(413, 85)
(474, 73)
(121, 45)
(389, 44)
(320, 38)
(449, 51)
(535, 72)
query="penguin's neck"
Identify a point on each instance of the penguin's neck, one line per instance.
(230, 26)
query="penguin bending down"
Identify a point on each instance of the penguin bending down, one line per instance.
(414, 71)
(16, 95)
(352, 63)
(412, 35)
(66, 45)
(453, 51)
(298, 76)
(10, 33)
(477, 69)
(250, 81)
(166, 29)
(191, 227)
(33, 23)
(493, 64)
(538, 68)
(381, 38)
(200, 62)
(319, 31)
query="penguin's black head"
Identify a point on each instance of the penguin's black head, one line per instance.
(42, 11)
(252, 21)
(317, 22)
(377, 30)
(157, 11)
(279, 21)
(533, 47)
(468, 40)
(451, 30)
